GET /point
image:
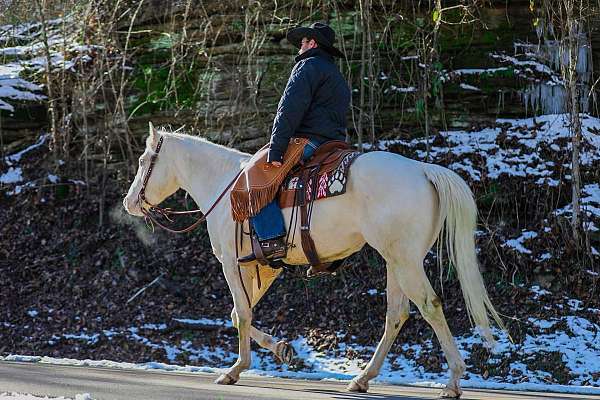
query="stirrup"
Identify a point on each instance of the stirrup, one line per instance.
(316, 272)
(265, 251)
(324, 269)
(246, 259)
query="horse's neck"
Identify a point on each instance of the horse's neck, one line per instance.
(204, 169)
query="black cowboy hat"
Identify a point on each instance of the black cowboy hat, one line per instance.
(322, 33)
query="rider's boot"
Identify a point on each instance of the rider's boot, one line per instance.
(264, 251)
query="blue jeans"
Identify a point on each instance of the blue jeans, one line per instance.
(269, 223)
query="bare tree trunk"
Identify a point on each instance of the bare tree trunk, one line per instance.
(372, 80)
(41, 8)
(363, 61)
(573, 31)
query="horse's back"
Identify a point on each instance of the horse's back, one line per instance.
(393, 173)
(395, 199)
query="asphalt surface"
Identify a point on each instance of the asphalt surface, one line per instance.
(119, 384)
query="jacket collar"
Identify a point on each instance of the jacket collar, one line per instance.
(316, 52)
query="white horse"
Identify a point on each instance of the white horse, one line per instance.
(397, 205)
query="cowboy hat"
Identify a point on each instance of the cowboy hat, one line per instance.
(322, 33)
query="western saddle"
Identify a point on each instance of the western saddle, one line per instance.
(323, 175)
(296, 184)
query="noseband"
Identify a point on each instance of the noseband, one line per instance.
(167, 212)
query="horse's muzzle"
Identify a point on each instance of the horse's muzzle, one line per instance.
(132, 208)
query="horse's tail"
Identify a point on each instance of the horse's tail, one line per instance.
(458, 210)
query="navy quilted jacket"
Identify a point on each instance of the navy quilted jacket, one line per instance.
(314, 103)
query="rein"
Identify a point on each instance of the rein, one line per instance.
(167, 212)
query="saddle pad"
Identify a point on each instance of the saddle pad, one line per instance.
(331, 180)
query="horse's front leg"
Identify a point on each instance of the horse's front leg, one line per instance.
(263, 277)
(241, 318)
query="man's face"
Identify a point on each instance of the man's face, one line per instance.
(307, 44)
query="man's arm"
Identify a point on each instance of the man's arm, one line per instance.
(294, 103)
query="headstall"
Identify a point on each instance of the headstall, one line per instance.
(167, 212)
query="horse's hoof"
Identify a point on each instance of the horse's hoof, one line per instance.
(356, 386)
(285, 352)
(225, 379)
(449, 393)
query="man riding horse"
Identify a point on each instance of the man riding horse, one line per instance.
(313, 105)
(400, 207)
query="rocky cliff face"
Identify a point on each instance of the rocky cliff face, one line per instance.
(220, 67)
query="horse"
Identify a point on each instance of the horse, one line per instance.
(399, 206)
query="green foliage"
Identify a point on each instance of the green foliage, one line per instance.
(436, 80)
(238, 25)
(373, 260)
(158, 89)
(117, 257)
(188, 335)
(62, 191)
(166, 40)
(344, 23)
(403, 37)
(420, 108)
(489, 38)
(491, 196)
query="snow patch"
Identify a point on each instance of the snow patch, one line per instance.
(23, 396)
(517, 244)
(469, 87)
(16, 157)
(410, 89)
(538, 292)
(205, 321)
(13, 175)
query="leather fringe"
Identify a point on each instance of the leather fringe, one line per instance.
(247, 203)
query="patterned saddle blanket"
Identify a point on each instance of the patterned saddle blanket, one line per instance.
(326, 174)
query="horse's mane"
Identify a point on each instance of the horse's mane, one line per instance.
(167, 131)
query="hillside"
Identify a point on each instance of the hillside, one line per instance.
(491, 105)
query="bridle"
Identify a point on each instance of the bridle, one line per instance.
(167, 212)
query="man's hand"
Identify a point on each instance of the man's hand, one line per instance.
(276, 164)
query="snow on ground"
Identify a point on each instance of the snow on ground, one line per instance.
(469, 87)
(517, 243)
(14, 88)
(16, 157)
(410, 89)
(590, 204)
(29, 56)
(14, 174)
(23, 396)
(518, 148)
(572, 339)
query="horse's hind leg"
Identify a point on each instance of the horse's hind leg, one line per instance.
(414, 283)
(397, 313)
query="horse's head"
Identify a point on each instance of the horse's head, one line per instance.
(162, 181)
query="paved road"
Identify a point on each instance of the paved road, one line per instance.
(117, 384)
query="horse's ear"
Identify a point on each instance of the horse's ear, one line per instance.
(152, 137)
